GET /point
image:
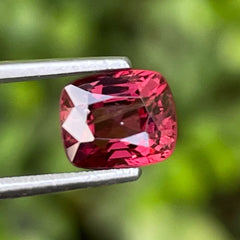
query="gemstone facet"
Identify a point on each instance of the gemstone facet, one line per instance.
(118, 119)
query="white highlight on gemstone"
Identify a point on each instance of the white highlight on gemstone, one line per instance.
(82, 97)
(71, 151)
(95, 98)
(140, 139)
(76, 122)
(76, 125)
(77, 95)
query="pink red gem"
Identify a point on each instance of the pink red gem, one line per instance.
(118, 119)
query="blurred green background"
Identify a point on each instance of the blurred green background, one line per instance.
(195, 194)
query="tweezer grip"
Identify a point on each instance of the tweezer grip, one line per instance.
(29, 70)
(12, 187)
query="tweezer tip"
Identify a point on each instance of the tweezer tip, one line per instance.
(135, 174)
(126, 59)
(138, 172)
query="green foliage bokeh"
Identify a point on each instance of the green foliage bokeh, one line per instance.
(195, 194)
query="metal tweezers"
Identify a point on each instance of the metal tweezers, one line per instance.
(19, 186)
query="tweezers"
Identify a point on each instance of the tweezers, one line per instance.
(19, 186)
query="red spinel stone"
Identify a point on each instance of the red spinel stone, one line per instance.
(117, 119)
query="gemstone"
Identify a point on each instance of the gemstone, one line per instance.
(118, 119)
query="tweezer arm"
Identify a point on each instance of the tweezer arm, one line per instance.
(33, 70)
(12, 187)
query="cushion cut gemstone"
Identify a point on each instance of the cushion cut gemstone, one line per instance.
(117, 119)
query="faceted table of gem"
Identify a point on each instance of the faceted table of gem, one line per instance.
(118, 119)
